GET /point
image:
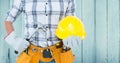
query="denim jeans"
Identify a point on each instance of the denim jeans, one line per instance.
(53, 61)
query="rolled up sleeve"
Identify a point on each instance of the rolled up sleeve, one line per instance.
(15, 11)
(71, 8)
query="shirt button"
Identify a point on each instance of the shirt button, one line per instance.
(46, 3)
(35, 25)
(46, 14)
(47, 39)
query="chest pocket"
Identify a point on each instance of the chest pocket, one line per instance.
(40, 7)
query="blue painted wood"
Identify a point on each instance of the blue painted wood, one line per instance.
(101, 32)
(3, 46)
(88, 20)
(113, 31)
(77, 50)
(11, 51)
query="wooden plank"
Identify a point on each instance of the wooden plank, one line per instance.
(101, 32)
(4, 5)
(11, 51)
(78, 50)
(113, 31)
(3, 45)
(88, 20)
(0, 34)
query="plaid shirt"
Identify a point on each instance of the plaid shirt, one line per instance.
(46, 12)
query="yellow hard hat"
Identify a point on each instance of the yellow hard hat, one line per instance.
(70, 26)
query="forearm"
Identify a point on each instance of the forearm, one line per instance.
(19, 44)
(9, 27)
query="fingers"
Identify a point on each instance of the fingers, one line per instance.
(72, 41)
(65, 41)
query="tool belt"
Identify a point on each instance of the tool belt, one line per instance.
(35, 54)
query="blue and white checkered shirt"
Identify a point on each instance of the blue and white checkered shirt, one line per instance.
(46, 12)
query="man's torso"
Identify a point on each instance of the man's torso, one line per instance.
(46, 12)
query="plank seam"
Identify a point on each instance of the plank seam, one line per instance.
(95, 28)
(107, 28)
(119, 31)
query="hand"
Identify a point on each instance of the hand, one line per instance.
(18, 44)
(71, 41)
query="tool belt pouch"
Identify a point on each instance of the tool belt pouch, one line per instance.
(46, 56)
(23, 58)
(47, 53)
(33, 52)
(35, 58)
(67, 56)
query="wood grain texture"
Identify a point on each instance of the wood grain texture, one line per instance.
(88, 20)
(113, 31)
(101, 32)
(78, 50)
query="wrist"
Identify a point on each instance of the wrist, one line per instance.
(10, 37)
(8, 33)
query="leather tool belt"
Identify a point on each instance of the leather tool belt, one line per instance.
(34, 54)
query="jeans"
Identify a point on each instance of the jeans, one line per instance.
(53, 61)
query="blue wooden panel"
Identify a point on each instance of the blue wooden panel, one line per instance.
(11, 51)
(101, 32)
(77, 50)
(113, 31)
(3, 46)
(88, 20)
